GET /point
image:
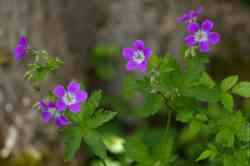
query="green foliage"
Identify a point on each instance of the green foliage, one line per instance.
(226, 138)
(137, 151)
(72, 137)
(227, 101)
(242, 89)
(204, 155)
(41, 67)
(179, 116)
(90, 106)
(203, 93)
(84, 127)
(229, 82)
(94, 140)
(105, 55)
(100, 117)
(184, 116)
(151, 105)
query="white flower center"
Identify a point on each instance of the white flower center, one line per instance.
(201, 36)
(138, 57)
(69, 98)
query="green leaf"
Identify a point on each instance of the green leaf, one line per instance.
(152, 104)
(201, 117)
(229, 161)
(168, 64)
(184, 116)
(243, 133)
(88, 108)
(204, 155)
(100, 117)
(206, 80)
(137, 151)
(227, 101)
(226, 138)
(229, 82)
(72, 142)
(202, 93)
(194, 128)
(143, 84)
(154, 61)
(94, 140)
(242, 89)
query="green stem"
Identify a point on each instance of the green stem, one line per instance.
(166, 132)
(104, 163)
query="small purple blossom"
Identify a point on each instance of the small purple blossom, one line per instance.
(202, 35)
(71, 98)
(190, 16)
(49, 113)
(21, 48)
(137, 56)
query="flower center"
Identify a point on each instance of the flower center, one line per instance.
(138, 57)
(201, 36)
(56, 113)
(69, 98)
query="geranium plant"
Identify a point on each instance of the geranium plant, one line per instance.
(196, 110)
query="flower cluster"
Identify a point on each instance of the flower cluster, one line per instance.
(137, 56)
(67, 99)
(21, 48)
(201, 35)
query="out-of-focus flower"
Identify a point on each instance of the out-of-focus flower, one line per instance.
(71, 98)
(114, 144)
(202, 35)
(49, 112)
(190, 16)
(21, 48)
(137, 56)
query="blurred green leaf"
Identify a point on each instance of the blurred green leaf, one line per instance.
(242, 89)
(154, 62)
(229, 82)
(72, 142)
(202, 93)
(204, 155)
(100, 117)
(226, 138)
(206, 80)
(94, 140)
(88, 108)
(184, 116)
(227, 101)
(151, 105)
(137, 151)
(243, 133)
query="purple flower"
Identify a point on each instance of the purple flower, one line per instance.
(202, 35)
(137, 56)
(71, 98)
(190, 16)
(21, 48)
(49, 112)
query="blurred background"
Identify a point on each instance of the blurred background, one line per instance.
(88, 35)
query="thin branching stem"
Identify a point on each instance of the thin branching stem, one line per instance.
(170, 109)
